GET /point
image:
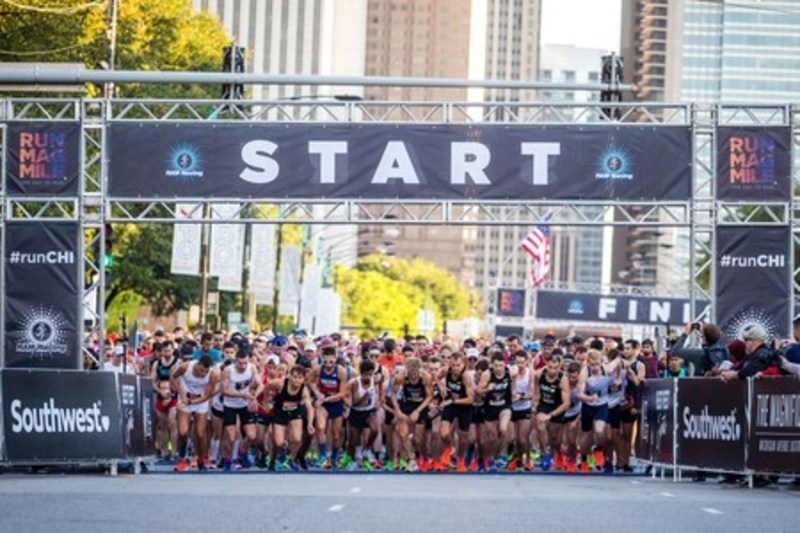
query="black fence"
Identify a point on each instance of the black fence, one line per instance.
(748, 427)
(53, 416)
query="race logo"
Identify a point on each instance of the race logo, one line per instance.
(42, 332)
(575, 307)
(752, 160)
(749, 317)
(614, 164)
(42, 157)
(184, 161)
(50, 418)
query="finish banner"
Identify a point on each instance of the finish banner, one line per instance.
(399, 161)
(60, 415)
(775, 426)
(616, 308)
(712, 423)
(43, 297)
(657, 422)
(753, 285)
(754, 163)
(42, 158)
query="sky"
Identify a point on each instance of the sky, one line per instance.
(585, 23)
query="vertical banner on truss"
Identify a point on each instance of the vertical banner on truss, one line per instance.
(262, 261)
(227, 248)
(289, 295)
(43, 158)
(752, 274)
(186, 240)
(43, 295)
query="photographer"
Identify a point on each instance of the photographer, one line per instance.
(709, 355)
(759, 355)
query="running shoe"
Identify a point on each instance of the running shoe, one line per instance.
(585, 467)
(283, 465)
(608, 468)
(221, 463)
(412, 466)
(590, 461)
(352, 466)
(473, 466)
(201, 467)
(571, 468)
(501, 462)
(438, 466)
(558, 463)
(547, 462)
(194, 462)
(321, 463)
(245, 461)
(460, 466)
(182, 465)
(294, 466)
(599, 459)
(227, 465)
(492, 466)
(512, 465)
(389, 466)
(302, 463)
(367, 465)
(536, 455)
(345, 461)
(325, 464)
(376, 464)
(526, 465)
(446, 454)
(424, 465)
(402, 464)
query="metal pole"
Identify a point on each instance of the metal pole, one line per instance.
(276, 292)
(206, 237)
(111, 46)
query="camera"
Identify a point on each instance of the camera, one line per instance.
(772, 356)
(696, 326)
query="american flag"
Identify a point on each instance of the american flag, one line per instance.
(537, 245)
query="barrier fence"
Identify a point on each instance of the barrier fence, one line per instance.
(743, 427)
(68, 416)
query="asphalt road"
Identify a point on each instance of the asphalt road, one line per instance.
(378, 503)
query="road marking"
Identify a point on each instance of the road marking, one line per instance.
(667, 494)
(636, 482)
(711, 510)
(336, 508)
(355, 490)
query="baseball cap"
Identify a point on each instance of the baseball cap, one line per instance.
(273, 359)
(278, 340)
(310, 347)
(473, 353)
(754, 332)
(533, 346)
(549, 340)
(299, 334)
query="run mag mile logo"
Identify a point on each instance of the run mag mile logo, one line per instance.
(184, 162)
(614, 163)
(42, 157)
(41, 333)
(752, 160)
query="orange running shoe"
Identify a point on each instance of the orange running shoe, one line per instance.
(599, 459)
(585, 467)
(182, 465)
(527, 465)
(512, 465)
(460, 466)
(559, 462)
(571, 467)
(473, 466)
(446, 454)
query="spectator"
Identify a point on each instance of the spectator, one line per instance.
(706, 357)
(674, 368)
(758, 354)
(649, 358)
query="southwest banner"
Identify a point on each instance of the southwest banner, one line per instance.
(43, 266)
(752, 274)
(754, 163)
(616, 308)
(712, 423)
(403, 161)
(42, 158)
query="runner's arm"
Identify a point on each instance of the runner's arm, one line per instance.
(561, 409)
(175, 381)
(211, 388)
(469, 389)
(342, 392)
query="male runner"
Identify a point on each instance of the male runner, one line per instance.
(458, 406)
(240, 388)
(552, 400)
(497, 385)
(635, 372)
(195, 382)
(166, 399)
(416, 388)
(593, 386)
(364, 396)
(293, 397)
(521, 409)
(327, 383)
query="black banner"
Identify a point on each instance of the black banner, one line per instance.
(775, 426)
(712, 423)
(43, 158)
(138, 429)
(511, 302)
(615, 308)
(501, 332)
(754, 163)
(60, 416)
(752, 274)
(43, 268)
(403, 161)
(657, 422)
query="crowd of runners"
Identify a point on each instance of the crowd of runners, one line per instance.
(296, 403)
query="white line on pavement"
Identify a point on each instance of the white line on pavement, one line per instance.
(636, 482)
(355, 490)
(667, 494)
(711, 510)
(336, 508)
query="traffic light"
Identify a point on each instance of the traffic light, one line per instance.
(611, 74)
(233, 61)
(108, 258)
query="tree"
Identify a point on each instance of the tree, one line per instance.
(151, 35)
